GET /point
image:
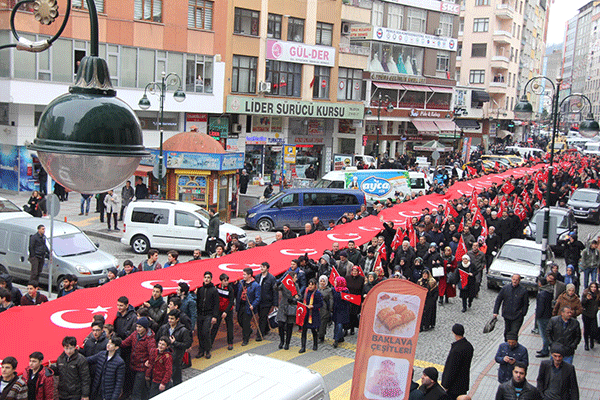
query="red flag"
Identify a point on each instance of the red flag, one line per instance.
(472, 171)
(398, 238)
(473, 203)
(288, 282)
(377, 263)
(383, 252)
(412, 235)
(537, 192)
(464, 278)
(360, 271)
(461, 250)
(461, 226)
(508, 188)
(449, 210)
(301, 311)
(352, 298)
(494, 202)
(520, 212)
(334, 274)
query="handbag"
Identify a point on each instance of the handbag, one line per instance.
(273, 318)
(453, 277)
(437, 272)
(490, 325)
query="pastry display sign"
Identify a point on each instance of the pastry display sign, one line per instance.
(389, 330)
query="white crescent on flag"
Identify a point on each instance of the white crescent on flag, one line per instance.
(58, 320)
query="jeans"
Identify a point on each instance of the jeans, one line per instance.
(568, 359)
(140, 390)
(204, 336)
(587, 273)
(87, 204)
(338, 331)
(244, 321)
(542, 325)
(228, 325)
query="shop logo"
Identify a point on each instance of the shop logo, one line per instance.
(375, 186)
(451, 44)
(379, 33)
(276, 50)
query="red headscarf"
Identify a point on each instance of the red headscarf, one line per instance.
(340, 284)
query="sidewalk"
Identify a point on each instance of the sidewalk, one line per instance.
(484, 375)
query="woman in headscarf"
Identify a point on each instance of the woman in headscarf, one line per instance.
(570, 277)
(429, 312)
(312, 320)
(568, 298)
(355, 283)
(590, 301)
(449, 263)
(326, 309)
(372, 280)
(341, 310)
(468, 291)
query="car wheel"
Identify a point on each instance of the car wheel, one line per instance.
(597, 220)
(3, 269)
(59, 283)
(265, 225)
(490, 285)
(140, 244)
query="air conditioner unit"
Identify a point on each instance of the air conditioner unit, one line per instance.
(345, 28)
(264, 87)
(438, 32)
(236, 128)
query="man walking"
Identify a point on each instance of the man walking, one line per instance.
(38, 251)
(180, 339)
(457, 369)
(127, 194)
(268, 298)
(590, 260)
(518, 387)
(207, 303)
(226, 301)
(112, 204)
(40, 379)
(212, 233)
(543, 313)
(557, 379)
(565, 330)
(73, 372)
(142, 344)
(141, 191)
(508, 355)
(246, 306)
(85, 200)
(515, 301)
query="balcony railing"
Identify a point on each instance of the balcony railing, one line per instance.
(354, 49)
(368, 4)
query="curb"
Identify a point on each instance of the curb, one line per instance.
(101, 235)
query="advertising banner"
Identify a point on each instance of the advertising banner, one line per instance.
(289, 154)
(293, 108)
(378, 185)
(389, 329)
(300, 53)
(341, 161)
(403, 37)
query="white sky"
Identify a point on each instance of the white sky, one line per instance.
(560, 12)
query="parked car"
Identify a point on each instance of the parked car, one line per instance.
(9, 210)
(73, 252)
(296, 207)
(565, 223)
(585, 204)
(518, 256)
(170, 225)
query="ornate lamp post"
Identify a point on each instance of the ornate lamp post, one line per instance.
(389, 108)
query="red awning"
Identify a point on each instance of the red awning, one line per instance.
(143, 170)
(385, 85)
(446, 125)
(426, 127)
(416, 88)
(441, 89)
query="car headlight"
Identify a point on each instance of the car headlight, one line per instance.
(83, 270)
(251, 215)
(527, 231)
(115, 262)
(493, 272)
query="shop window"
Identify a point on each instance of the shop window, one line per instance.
(295, 30)
(285, 78)
(349, 84)
(396, 59)
(148, 10)
(191, 188)
(324, 33)
(246, 22)
(321, 85)
(243, 77)
(200, 14)
(274, 26)
(198, 74)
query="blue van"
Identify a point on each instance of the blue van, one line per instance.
(296, 207)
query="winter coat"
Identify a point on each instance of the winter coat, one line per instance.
(18, 390)
(158, 314)
(141, 348)
(343, 268)
(568, 336)
(317, 304)
(27, 300)
(160, 369)
(268, 295)
(93, 346)
(543, 304)
(514, 300)
(590, 258)
(572, 252)
(325, 310)
(207, 300)
(109, 375)
(286, 311)
(436, 392)
(568, 380)
(183, 338)
(213, 226)
(507, 391)
(112, 204)
(341, 308)
(505, 369)
(73, 376)
(565, 300)
(252, 296)
(456, 376)
(590, 307)
(44, 388)
(15, 293)
(125, 324)
(188, 307)
(301, 275)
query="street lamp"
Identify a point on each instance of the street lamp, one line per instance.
(588, 128)
(458, 112)
(160, 89)
(389, 108)
(88, 140)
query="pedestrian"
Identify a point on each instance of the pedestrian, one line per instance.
(508, 354)
(69, 285)
(38, 252)
(40, 379)
(127, 195)
(341, 310)
(160, 367)
(557, 379)
(124, 325)
(151, 264)
(212, 232)
(174, 303)
(72, 371)
(571, 277)
(157, 308)
(141, 191)
(573, 250)
(543, 313)
(355, 284)
(517, 387)
(429, 312)
(96, 342)
(196, 255)
(468, 291)
(14, 387)
(100, 205)
(568, 298)
(128, 268)
(112, 205)
(312, 320)
(226, 301)
(268, 298)
(430, 386)
(5, 300)
(15, 293)
(188, 304)
(444, 288)
(109, 376)
(325, 310)
(590, 303)
(514, 299)
(565, 330)
(246, 306)
(178, 338)
(478, 264)
(457, 370)
(86, 199)
(207, 304)
(286, 312)
(142, 344)
(244, 179)
(590, 260)
(43, 178)
(172, 258)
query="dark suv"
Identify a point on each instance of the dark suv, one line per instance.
(585, 204)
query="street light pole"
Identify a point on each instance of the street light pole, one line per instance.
(378, 128)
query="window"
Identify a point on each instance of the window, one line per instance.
(461, 25)
(148, 10)
(243, 77)
(481, 24)
(482, 2)
(198, 73)
(150, 215)
(274, 26)
(443, 61)
(416, 20)
(245, 22)
(324, 33)
(349, 84)
(185, 219)
(200, 14)
(82, 5)
(321, 85)
(291, 200)
(459, 50)
(395, 16)
(285, 78)
(446, 24)
(377, 14)
(477, 76)
(479, 50)
(295, 30)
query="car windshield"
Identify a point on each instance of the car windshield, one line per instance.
(580, 195)
(562, 218)
(8, 206)
(521, 254)
(274, 198)
(72, 245)
(203, 213)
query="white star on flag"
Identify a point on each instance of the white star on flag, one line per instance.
(99, 309)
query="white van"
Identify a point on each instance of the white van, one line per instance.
(577, 143)
(525, 151)
(592, 148)
(170, 225)
(368, 160)
(251, 376)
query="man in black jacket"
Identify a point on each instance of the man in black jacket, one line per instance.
(565, 330)
(430, 386)
(38, 251)
(268, 298)
(109, 378)
(557, 379)
(207, 303)
(518, 387)
(73, 372)
(180, 340)
(516, 303)
(543, 313)
(212, 232)
(458, 364)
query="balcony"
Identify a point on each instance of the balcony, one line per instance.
(498, 87)
(357, 11)
(499, 62)
(503, 37)
(505, 11)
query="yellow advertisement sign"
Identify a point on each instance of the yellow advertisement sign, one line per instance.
(289, 154)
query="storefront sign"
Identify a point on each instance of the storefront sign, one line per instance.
(300, 53)
(232, 161)
(309, 139)
(376, 76)
(424, 113)
(293, 108)
(403, 37)
(218, 127)
(289, 154)
(255, 139)
(433, 5)
(408, 113)
(341, 161)
(316, 127)
(201, 161)
(196, 117)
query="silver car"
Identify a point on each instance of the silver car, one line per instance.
(518, 256)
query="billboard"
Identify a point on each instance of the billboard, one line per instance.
(378, 185)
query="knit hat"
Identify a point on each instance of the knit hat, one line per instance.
(511, 336)
(143, 322)
(113, 270)
(326, 258)
(557, 348)
(344, 253)
(431, 372)
(458, 330)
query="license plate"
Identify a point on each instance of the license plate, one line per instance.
(102, 281)
(581, 213)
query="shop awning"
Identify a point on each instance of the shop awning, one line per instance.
(446, 125)
(502, 133)
(143, 170)
(386, 85)
(479, 96)
(469, 124)
(426, 127)
(441, 89)
(432, 146)
(416, 88)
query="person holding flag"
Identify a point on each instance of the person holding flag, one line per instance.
(341, 310)
(467, 283)
(286, 313)
(355, 283)
(313, 301)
